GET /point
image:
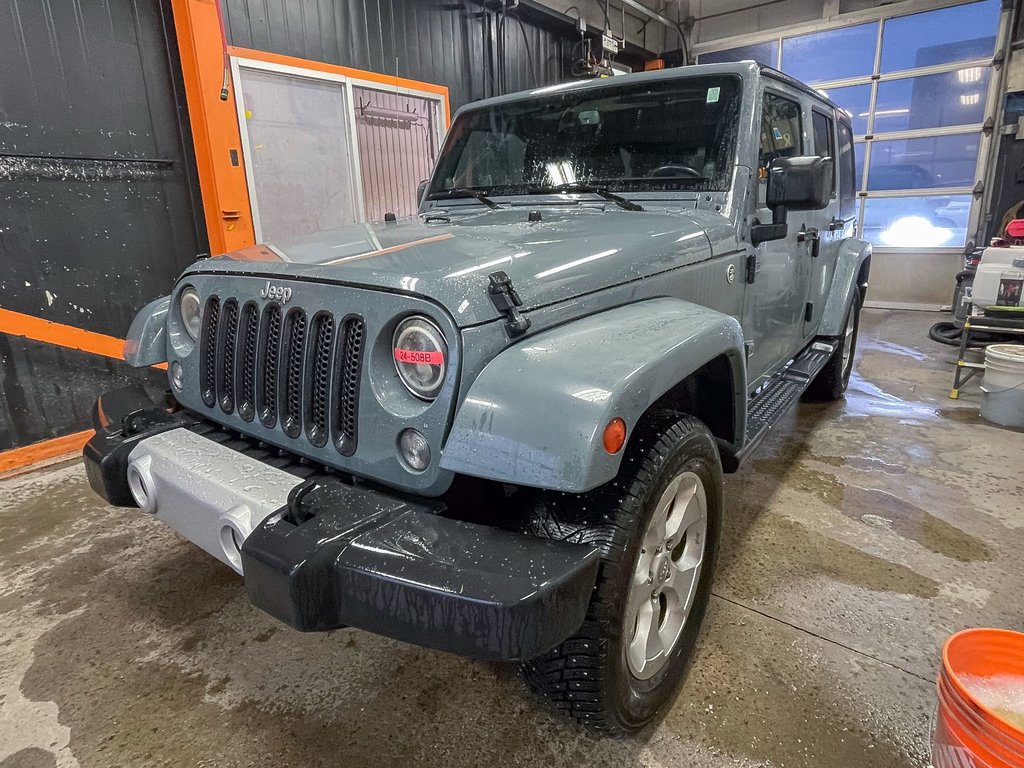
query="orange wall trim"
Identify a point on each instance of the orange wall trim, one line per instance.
(349, 72)
(215, 133)
(37, 329)
(48, 449)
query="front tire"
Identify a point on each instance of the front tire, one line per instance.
(658, 527)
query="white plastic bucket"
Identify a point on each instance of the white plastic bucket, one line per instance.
(1004, 385)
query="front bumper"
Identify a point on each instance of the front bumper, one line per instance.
(319, 553)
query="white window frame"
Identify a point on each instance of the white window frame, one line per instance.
(349, 82)
(880, 15)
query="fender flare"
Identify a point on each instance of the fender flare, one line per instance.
(535, 415)
(849, 260)
(146, 342)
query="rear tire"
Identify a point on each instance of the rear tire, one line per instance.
(609, 675)
(831, 382)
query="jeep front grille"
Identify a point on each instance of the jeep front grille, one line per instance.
(294, 372)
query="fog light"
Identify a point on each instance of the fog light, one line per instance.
(414, 450)
(177, 376)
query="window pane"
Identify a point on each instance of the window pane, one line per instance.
(917, 222)
(781, 132)
(298, 135)
(762, 53)
(855, 99)
(932, 101)
(848, 181)
(938, 161)
(781, 136)
(960, 33)
(831, 55)
(858, 150)
(824, 143)
(400, 128)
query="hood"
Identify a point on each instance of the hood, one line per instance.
(567, 254)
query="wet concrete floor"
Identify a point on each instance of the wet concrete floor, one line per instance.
(861, 535)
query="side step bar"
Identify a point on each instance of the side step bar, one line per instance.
(782, 391)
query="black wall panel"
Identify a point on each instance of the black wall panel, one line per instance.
(99, 206)
(454, 43)
(49, 390)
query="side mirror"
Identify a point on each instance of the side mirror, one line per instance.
(421, 189)
(800, 183)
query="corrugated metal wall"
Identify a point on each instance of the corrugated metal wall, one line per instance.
(99, 204)
(449, 43)
(397, 138)
(99, 211)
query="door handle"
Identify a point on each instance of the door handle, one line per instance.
(810, 234)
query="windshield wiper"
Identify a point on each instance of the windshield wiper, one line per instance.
(620, 201)
(464, 192)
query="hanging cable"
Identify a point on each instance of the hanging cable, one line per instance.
(529, 53)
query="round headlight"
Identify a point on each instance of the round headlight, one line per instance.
(191, 311)
(421, 356)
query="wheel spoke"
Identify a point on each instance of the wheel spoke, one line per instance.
(657, 531)
(679, 588)
(688, 509)
(645, 629)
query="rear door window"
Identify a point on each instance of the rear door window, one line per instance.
(847, 172)
(825, 142)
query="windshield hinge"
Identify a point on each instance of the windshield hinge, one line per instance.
(506, 300)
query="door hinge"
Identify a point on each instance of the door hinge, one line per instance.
(751, 270)
(506, 300)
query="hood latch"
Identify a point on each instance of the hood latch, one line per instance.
(506, 300)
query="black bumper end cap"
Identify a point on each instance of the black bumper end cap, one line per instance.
(122, 418)
(396, 568)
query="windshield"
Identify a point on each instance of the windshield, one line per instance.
(675, 134)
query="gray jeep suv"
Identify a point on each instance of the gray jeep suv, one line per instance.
(499, 428)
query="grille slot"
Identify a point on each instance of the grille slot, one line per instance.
(317, 426)
(292, 373)
(270, 347)
(347, 376)
(245, 382)
(227, 337)
(208, 351)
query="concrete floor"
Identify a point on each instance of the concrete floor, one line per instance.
(861, 535)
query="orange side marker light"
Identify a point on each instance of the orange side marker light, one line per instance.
(615, 435)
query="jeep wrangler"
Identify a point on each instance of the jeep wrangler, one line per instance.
(499, 427)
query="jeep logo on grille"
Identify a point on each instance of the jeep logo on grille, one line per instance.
(277, 292)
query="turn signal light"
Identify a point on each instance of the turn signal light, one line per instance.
(615, 435)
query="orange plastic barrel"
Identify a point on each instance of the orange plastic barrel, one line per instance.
(967, 733)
